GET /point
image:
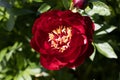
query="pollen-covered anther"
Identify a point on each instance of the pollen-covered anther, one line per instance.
(60, 38)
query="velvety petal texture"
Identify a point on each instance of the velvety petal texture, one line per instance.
(62, 38)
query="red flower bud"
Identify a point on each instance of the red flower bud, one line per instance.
(80, 3)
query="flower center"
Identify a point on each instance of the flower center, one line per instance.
(60, 38)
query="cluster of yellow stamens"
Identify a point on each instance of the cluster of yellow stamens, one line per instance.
(60, 38)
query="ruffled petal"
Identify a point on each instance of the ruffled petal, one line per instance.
(51, 63)
(89, 27)
(81, 59)
(34, 44)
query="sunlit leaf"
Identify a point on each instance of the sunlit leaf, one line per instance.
(15, 45)
(38, 0)
(106, 31)
(3, 53)
(26, 75)
(18, 77)
(2, 76)
(9, 54)
(34, 71)
(97, 26)
(1, 13)
(98, 8)
(12, 50)
(44, 7)
(45, 74)
(93, 54)
(106, 50)
(8, 77)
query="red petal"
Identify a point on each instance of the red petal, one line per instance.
(34, 44)
(81, 59)
(89, 27)
(51, 63)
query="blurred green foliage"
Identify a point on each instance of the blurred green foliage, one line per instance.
(18, 61)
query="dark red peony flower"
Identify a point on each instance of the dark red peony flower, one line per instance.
(62, 38)
(80, 3)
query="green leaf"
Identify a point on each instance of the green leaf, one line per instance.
(3, 53)
(43, 8)
(4, 70)
(10, 23)
(93, 54)
(66, 3)
(97, 26)
(106, 31)
(34, 71)
(0, 67)
(18, 77)
(20, 61)
(9, 54)
(12, 50)
(11, 20)
(38, 0)
(2, 75)
(26, 75)
(106, 50)
(2, 9)
(15, 45)
(98, 8)
(8, 77)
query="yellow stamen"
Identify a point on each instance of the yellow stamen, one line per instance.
(60, 38)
